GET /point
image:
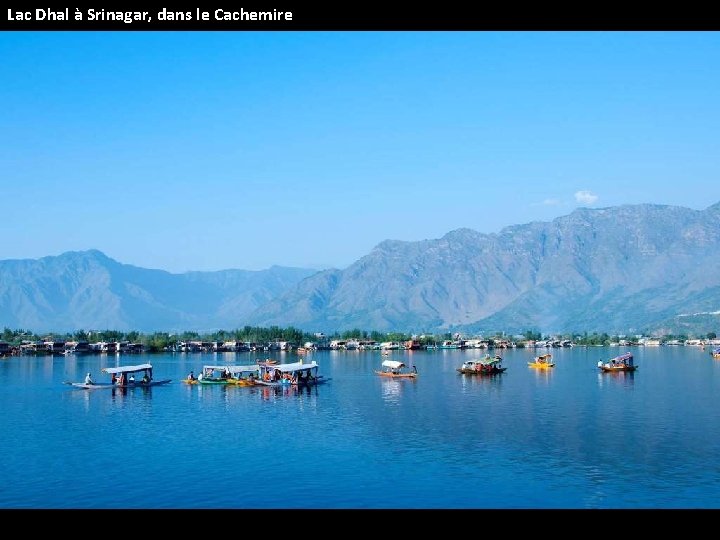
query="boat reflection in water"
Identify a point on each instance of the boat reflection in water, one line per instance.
(269, 392)
(391, 390)
(624, 378)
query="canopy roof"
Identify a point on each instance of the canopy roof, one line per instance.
(392, 364)
(292, 368)
(234, 369)
(127, 369)
(486, 361)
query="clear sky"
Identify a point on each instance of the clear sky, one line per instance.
(208, 151)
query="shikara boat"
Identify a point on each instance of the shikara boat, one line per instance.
(124, 377)
(543, 361)
(214, 375)
(297, 374)
(396, 370)
(243, 375)
(488, 365)
(624, 362)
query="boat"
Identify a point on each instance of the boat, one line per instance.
(396, 370)
(214, 375)
(123, 377)
(624, 362)
(716, 353)
(542, 362)
(488, 365)
(297, 374)
(243, 375)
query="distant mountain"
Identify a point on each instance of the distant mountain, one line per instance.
(611, 269)
(88, 290)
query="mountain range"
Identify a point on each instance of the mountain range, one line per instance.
(90, 291)
(636, 267)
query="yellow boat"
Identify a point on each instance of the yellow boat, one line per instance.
(542, 362)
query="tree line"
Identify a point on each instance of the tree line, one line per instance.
(160, 341)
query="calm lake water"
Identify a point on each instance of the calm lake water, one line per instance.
(565, 438)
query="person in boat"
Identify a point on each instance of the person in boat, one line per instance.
(88, 379)
(146, 378)
(131, 379)
(191, 377)
(114, 379)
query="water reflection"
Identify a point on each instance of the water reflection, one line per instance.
(390, 390)
(269, 392)
(622, 378)
(488, 381)
(117, 392)
(542, 375)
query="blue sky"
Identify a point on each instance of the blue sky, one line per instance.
(207, 151)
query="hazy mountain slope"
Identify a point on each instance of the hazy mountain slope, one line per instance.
(88, 290)
(628, 266)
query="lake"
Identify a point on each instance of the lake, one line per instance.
(569, 437)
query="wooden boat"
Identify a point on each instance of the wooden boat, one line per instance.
(542, 362)
(121, 378)
(227, 375)
(624, 362)
(214, 375)
(488, 365)
(297, 374)
(396, 370)
(243, 375)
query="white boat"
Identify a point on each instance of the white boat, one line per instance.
(396, 370)
(237, 375)
(121, 378)
(298, 374)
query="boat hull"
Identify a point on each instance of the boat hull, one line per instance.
(101, 386)
(318, 380)
(540, 365)
(618, 369)
(397, 375)
(494, 371)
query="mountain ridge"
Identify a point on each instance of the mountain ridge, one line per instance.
(88, 289)
(571, 273)
(594, 269)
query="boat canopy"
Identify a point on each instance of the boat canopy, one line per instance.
(489, 361)
(292, 368)
(392, 364)
(233, 369)
(127, 369)
(626, 358)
